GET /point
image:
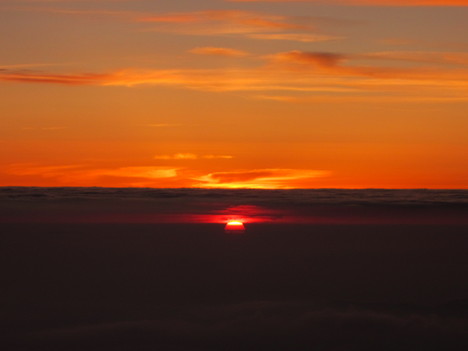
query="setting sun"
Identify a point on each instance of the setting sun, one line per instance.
(234, 227)
(240, 174)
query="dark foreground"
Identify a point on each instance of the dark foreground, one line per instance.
(193, 287)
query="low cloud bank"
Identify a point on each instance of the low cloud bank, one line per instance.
(260, 326)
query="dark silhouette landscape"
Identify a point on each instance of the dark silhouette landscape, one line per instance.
(72, 285)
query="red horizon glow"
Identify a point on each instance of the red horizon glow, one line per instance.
(317, 216)
(234, 227)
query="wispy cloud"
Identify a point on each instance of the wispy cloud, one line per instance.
(258, 178)
(249, 24)
(62, 1)
(300, 37)
(181, 156)
(366, 97)
(44, 171)
(138, 172)
(211, 157)
(339, 64)
(215, 51)
(454, 58)
(253, 25)
(225, 21)
(203, 79)
(86, 175)
(374, 2)
(190, 156)
(67, 79)
(28, 65)
(441, 76)
(322, 59)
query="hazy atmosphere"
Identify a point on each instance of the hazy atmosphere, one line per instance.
(213, 93)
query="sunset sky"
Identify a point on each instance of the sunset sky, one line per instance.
(240, 93)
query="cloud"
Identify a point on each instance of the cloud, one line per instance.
(211, 157)
(67, 79)
(176, 157)
(366, 98)
(62, 1)
(323, 59)
(248, 24)
(257, 325)
(253, 25)
(258, 178)
(85, 175)
(137, 172)
(334, 64)
(28, 65)
(204, 79)
(339, 2)
(215, 51)
(300, 37)
(189, 156)
(374, 2)
(454, 58)
(99, 13)
(44, 171)
(363, 98)
(224, 22)
(416, 76)
(68, 0)
(151, 176)
(428, 43)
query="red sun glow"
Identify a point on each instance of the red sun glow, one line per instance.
(234, 227)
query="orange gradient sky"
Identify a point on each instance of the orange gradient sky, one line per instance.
(239, 93)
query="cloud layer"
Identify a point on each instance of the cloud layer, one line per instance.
(374, 2)
(429, 76)
(217, 51)
(259, 178)
(166, 176)
(261, 326)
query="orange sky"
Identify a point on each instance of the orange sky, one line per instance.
(214, 93)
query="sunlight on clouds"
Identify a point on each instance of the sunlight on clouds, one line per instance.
(452, 58)
(44, 171)
(214, 51)
(258, 179)
(211, 157)
(144, 176)
(305, 38)
(321, 59)
(359, 99)
(176, 157)
(224, 21)
(189, 156)
(139, 172)
(374, 2)
(253, 25)
(294, 71)
(84, 175)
